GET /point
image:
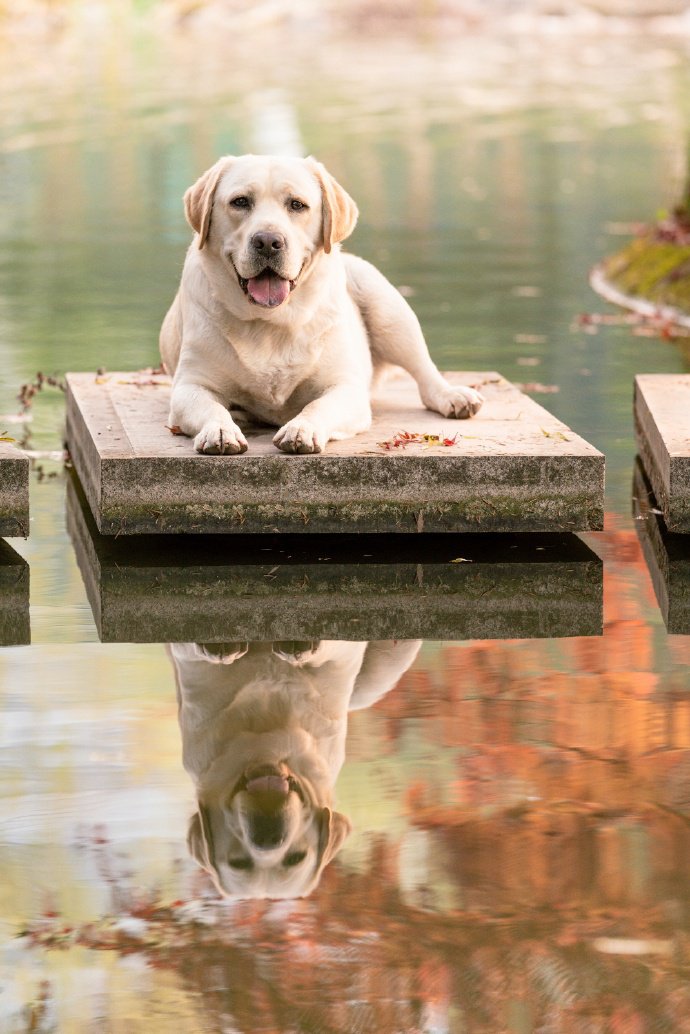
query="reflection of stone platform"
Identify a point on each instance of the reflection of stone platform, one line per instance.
(662, 428)
(667, 555)
(210, 589)
(14, 597)
(514, 467)
(14, 491)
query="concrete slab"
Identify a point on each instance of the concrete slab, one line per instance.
(667, 555)
(513, 468)
(15, 627)
(662, 430)
(14, 491)
(164, 588)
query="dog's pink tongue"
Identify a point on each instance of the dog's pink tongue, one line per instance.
(268, 784)
(268, 289)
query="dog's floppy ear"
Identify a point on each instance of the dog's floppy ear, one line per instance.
(198, 200)
(339, 210)
(334, 831)
(200, 840)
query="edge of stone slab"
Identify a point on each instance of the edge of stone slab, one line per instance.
(14, 492)
(83, 452)
(661, 466)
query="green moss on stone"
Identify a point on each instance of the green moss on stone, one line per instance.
(653, 270)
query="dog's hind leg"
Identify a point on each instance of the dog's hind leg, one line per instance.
(396, 337)
(383, 664)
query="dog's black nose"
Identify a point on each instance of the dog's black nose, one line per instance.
(267, 242)
(266, 831)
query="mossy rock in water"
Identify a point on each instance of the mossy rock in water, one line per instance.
(650, 273)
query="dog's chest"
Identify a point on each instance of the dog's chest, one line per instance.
(267, 378)
(276, 383)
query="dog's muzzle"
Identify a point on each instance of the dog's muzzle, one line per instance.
(268, 288)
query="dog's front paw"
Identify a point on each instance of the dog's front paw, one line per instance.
(299, 435)
(456, 401)
(217, 439)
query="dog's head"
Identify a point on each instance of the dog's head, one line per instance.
(269, 838)
(268, 219)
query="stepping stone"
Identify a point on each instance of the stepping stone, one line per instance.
(166, 588)
(667, 555)
(514, 467)
(14, 597)
(14, 491)
(662, 430)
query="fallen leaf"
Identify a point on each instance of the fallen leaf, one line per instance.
(401, 439)
(554, 434)
(535, 388)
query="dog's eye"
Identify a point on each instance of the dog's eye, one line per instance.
(296, 205)
(294, 858)
(240, 863)
(241, 202)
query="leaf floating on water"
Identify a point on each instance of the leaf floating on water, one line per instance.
(535, 388)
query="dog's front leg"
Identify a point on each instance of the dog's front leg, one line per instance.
(203, 415)
(339, 413)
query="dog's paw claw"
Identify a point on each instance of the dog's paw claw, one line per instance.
(296, 651)
(299, 436)
(214, 440)
(221, 653)
(458, 402)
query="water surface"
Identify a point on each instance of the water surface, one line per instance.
(514, 841)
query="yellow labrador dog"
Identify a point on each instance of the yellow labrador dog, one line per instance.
(273, 318)
(263, 737)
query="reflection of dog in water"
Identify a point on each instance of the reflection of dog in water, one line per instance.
(263, 736)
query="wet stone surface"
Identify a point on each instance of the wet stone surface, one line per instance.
(514, 467)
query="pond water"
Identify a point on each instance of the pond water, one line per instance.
(507, 840)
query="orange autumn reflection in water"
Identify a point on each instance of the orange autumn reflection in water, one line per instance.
(540, 886)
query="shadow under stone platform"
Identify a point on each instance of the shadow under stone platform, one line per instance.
(170, 588)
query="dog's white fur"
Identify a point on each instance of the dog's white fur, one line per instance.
(248, 708)
(305, 359)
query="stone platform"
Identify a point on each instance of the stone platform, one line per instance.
(14, 491)
(166, 588)
(662, 429)
(15, 627)
(514, 467)
(666, 553)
